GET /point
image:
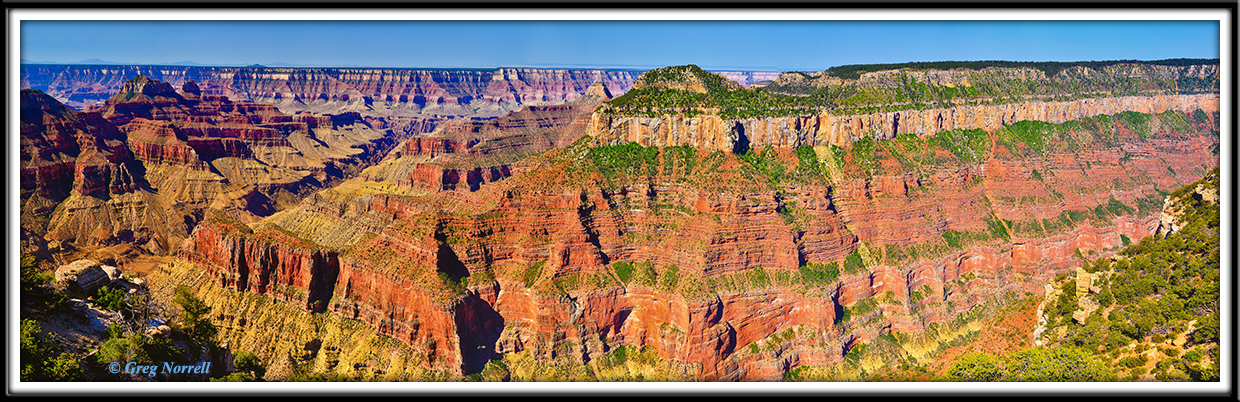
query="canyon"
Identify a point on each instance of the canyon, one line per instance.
(561, 227)
(380, 92)
(144, 167)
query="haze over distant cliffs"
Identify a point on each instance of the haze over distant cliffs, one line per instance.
(379, 92)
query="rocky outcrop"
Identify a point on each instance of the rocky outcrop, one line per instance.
(439, 178)
(82, 278)
(161, 142)
(64, 150)
(267, 262)
(839, 130)
(686, 106)
(1171, 219)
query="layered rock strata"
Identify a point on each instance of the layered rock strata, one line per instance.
(145, 166)
(375, 92)
(710, 259)
(468, 154)
(825, 128)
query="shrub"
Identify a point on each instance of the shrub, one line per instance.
(624, 271)
(249, 363)
(111, 299)
(1133, 361)
(36, 288)
(1056, 365)
(193, 318)
(532, 273)
(853, 263)
(976, 367)
(814, 273)
(235, 377)
(43, 358)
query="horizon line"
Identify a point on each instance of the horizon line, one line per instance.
(750, 69)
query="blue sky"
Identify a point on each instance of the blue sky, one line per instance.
(742, 45)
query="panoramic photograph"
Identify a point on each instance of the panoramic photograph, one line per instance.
(808, 202)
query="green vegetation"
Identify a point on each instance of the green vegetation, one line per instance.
(766, 163)
(36, 288)
(853, 263)
(625, 161)
(996, 229)
(1037, 135)
(43, 358)
(630, 164)
(111, 299)
(862, 152)
(1152, 293)
(667, 89)
(854, 71)
(906, 86)
(820, 274)
(249, 363)
(481, 278)
(193, 318)
(978, 367)
(140, 349)
(968, 145)
(1032, 365)
(533, 272)
(1067, 302)
(1041, 137)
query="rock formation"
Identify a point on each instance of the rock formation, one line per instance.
(700, 254)
(740, 243)
(376, 92)
(705, 125)
(82, 278)
(145, 167)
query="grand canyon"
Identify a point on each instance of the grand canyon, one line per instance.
(874, 223)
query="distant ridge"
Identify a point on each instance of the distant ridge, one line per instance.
(853, 71)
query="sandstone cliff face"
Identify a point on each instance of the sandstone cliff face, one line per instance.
(268, 262)
(715, 254)
(710, 131)
(1034, 81)
(493, 237)
(160, 142)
